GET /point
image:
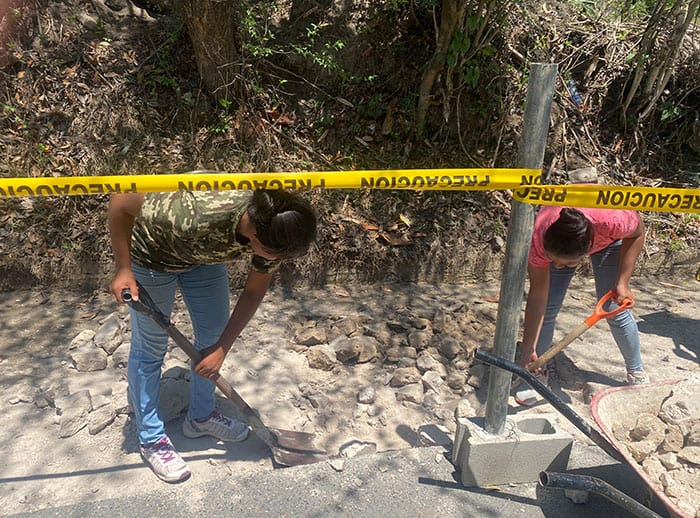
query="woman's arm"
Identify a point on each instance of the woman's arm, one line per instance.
(631, 248)
(248, 302)
(534, 312)
(123, 210)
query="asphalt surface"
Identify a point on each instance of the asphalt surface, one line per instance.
(419, 482)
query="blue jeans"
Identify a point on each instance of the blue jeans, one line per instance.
(623, 326)
(205, 291)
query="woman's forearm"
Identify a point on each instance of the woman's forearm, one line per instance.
(248, 303)
(631, 248)
(534, 310)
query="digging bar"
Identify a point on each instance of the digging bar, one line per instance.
(289, 448)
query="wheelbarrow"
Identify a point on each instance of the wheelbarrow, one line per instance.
(618, 408)
(606, 441)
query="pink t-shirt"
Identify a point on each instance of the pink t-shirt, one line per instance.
(609, 224)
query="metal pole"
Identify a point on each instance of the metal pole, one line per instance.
(531, 154)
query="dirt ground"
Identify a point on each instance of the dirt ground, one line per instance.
(272, 372)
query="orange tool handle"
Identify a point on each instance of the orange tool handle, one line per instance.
(600, 313)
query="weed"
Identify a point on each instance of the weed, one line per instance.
(676, 245)
(374, 108)
(324, 57)
(223, 124)
(322, 123)
(162, 73)
(259, 38)
(669, 110)
(16, 118)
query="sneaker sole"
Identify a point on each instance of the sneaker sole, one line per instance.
(527, 402)
(189, 432)
(531, 400)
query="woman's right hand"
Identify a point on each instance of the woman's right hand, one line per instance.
(527, 358)
(124, 278)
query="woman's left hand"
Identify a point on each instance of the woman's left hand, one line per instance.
(210, 364)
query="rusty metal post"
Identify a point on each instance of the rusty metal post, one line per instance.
(530, 155)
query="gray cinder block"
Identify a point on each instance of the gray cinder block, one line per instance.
(530, 444)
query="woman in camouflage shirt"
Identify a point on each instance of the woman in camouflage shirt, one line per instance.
(184, 240)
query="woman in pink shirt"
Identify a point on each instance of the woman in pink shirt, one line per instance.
(561, 239)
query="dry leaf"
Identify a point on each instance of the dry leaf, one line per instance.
(396, 239)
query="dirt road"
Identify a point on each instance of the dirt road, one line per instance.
(272, 371)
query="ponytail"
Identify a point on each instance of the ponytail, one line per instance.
(284, 222)
(570, 236)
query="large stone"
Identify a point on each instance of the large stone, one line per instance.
(449, 347)
(89, 359)
(174, 397)
(420, 338)
(412, 392)
(345, 326)
(432, 380)
(405, 376)
(368, 346)
(310, 336)
(321, 357)
(346, 349)
(100, 419)
(367, 395)
(84, 338)
(73, 410)
(109, 336)
(426, 361)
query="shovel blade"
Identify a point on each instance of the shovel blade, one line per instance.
(295, 458)
(301, 442)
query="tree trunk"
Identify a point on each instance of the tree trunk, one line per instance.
(212, 26)
(448, 26)
(663, 37)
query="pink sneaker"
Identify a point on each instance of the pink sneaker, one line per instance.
(165, 461)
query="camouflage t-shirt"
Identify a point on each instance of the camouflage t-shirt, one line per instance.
(178, 230)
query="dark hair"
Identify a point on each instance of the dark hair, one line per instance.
(284, 222)
(570, 236)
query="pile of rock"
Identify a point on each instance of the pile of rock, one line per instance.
(667, 446)
(421, 352)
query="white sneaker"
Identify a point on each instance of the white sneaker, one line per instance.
(217, 425)
(165, 461)
(637, 378)
(526, 395)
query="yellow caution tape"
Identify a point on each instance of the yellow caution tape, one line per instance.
(655, 199)
(413, 179)
(526, 185)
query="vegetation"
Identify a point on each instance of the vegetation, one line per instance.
(132, 86)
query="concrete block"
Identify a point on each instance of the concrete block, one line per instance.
(530, 444)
